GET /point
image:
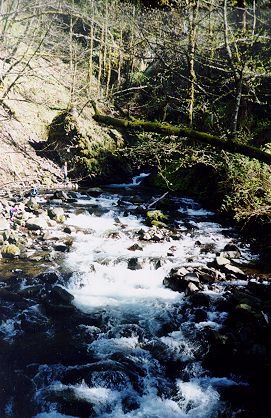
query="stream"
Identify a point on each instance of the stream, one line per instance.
(124, 345)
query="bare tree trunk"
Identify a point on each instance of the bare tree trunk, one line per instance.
(91, 46)
(120, 60)
(99, 78)
(237, 104)
(193, 11)
(109, 68)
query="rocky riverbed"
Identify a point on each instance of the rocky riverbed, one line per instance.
(107, 291)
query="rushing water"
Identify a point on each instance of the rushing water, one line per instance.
(131, 348)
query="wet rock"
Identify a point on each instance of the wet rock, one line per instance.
(58, 294)
(69, 229)
(48, 277)
(198, 299)
(179, 279)
(230, 254)
(94, 191)
(61, 247)
(209, 274)
(135, 247)
(200, 315)
(232, 247)
(59, 195)
(9, 296)
(191, 288)
(69, 403)
(10, 251)
(129, 404)
(30, 291)
(134, 264)
(228, 268)
(57, 202)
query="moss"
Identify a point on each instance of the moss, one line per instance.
(10, 251)
(156, 218)
(159, 224)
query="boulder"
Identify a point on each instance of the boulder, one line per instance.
(38, 223)
(221, 261)
(228, 268)
(10, 251)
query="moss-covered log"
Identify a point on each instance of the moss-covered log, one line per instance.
(170, 130)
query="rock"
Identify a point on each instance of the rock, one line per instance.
(61, 247)
(50, 277)
(38, 223)
(94, 191)
(230, 254)
(232, 248)
(30, 291)
(56, 202)
(55, 213)
(32, 205)
(69, 229)
(9, 296)
(228, 268)
(200, 315)
(156, 218)
(4, 224)
(191, 288)
(59, 194)
(58, 294)
(134, 264)
(209, 274)
(200, 299)
(192, 278)
(221, 261)
(10, 251)
(135, 247)
(175, 282)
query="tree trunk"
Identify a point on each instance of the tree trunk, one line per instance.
(171, 130)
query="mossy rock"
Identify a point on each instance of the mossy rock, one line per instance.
(156, 218)
(60, 219)
(10, 251)
(159, 224)
(87, 156)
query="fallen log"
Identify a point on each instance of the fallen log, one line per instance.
(167, 129)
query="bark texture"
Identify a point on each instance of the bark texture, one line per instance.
(168, 129)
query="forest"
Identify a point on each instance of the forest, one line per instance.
(135, 208)
(202, 65)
